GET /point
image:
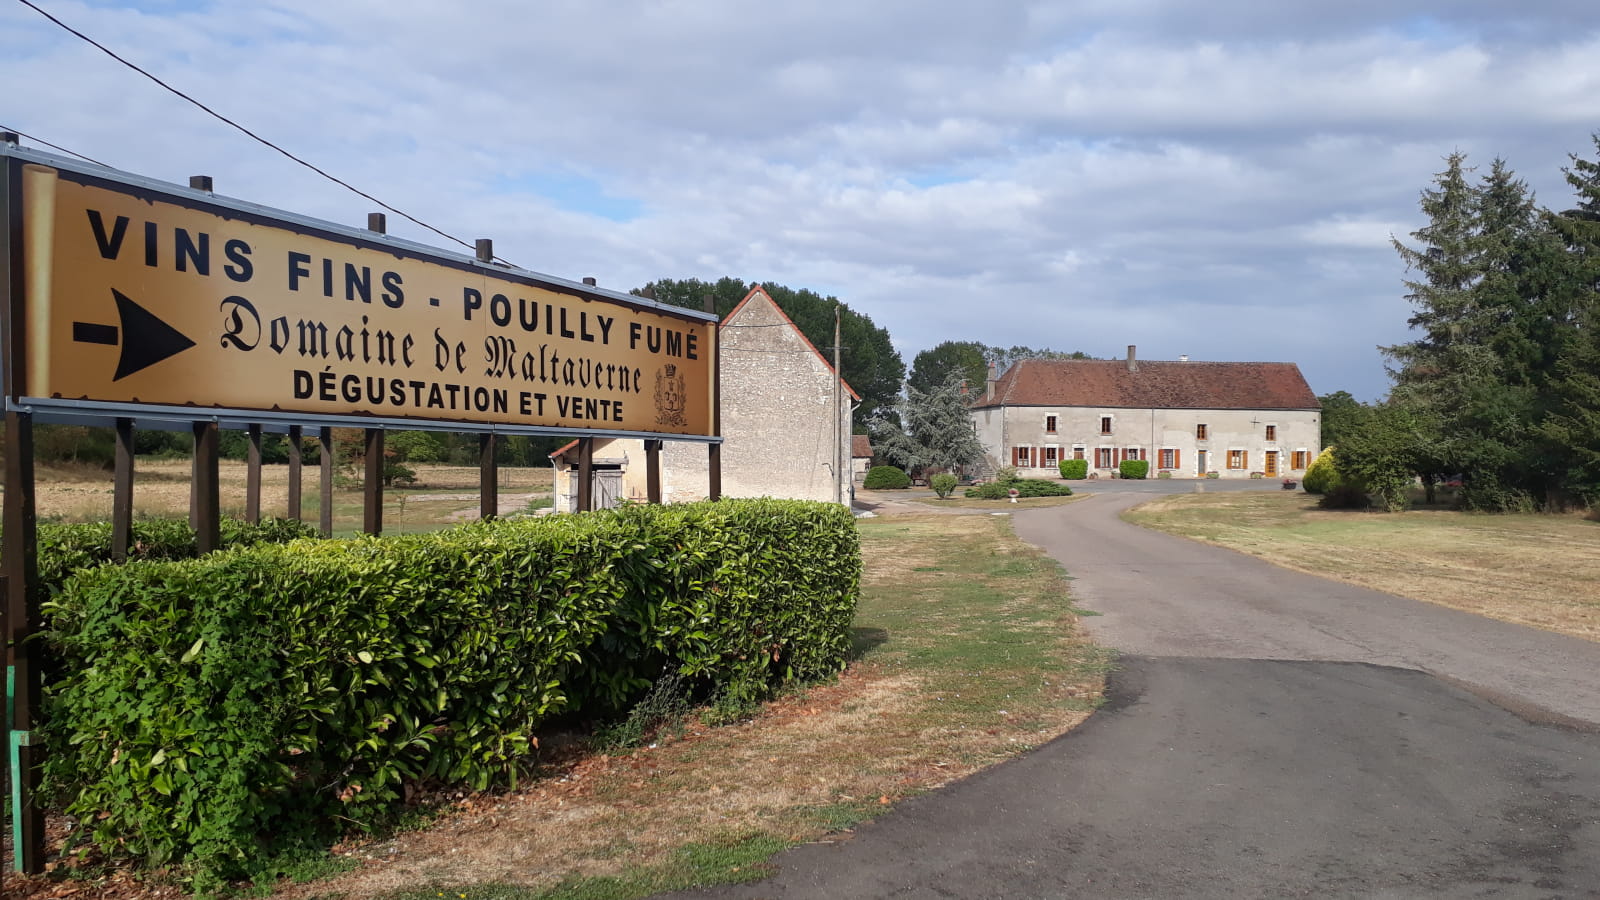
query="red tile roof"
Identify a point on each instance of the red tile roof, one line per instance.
(1160, 384)
(860, 446)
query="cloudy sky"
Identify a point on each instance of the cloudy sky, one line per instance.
(1218, 180)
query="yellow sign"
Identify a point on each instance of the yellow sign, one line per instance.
(136, 296)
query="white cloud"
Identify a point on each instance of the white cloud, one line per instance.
(1217, 181)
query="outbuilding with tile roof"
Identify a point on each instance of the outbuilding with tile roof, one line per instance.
(1185, 418)
(785, 424)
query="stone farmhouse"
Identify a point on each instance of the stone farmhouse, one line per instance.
(784, 432)
(1186, 418)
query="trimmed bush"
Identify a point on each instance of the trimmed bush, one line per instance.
(1074, 469)
(259, 694)
(1026, 487)
(886, 478)
(1322, 475)
(943, 484)
(1134, 468)
(64, 548)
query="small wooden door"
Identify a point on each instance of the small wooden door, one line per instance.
(1204, 455)
(1272, 463)
(607, 488)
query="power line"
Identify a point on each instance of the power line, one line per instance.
(39, 140)
(258, 138)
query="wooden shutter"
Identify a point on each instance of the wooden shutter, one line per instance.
(1177, 459)
(1244, 460)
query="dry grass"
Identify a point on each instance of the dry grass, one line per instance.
(1539, 570)
(442, 494)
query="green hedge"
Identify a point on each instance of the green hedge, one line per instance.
(66, 548)
(1134, 468)
(256, 695)
(1026, 487)
(1074, 469)
(886, 478)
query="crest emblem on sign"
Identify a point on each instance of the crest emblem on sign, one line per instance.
(671, 396)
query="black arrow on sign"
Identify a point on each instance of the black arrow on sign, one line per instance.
(146, 340)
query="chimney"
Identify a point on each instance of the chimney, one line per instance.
(1133, 359)
(990, 383)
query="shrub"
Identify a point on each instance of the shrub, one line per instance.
(943, 484)
(1074, 469)
(258, 694)
(1322, 475)
(886, 478)
(66, 548)
(1005, 474)
(1345, 494)
(1134, 468)
(1026, 487)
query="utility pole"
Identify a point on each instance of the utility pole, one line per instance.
(838, 419)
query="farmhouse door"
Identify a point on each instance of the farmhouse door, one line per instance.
(1203, 459)
(1272, 463)
(607, 488)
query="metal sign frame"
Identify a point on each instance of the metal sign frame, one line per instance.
(48, 410)
(23, 753)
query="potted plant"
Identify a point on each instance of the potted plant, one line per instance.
(1290, 484)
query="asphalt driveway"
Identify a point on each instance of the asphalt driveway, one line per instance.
(1270, 734)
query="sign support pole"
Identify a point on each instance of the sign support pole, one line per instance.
(488, 476)
(207, 489)
(372, 489)
(19, 543)
(293, 512)
(652, 468)
(714, 450)
(252, 477)
(325, 514)
(585, 474)
(122, 492)
(24, 680)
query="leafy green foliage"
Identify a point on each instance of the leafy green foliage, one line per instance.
(1074, 469)
(415, 446)
(248, 698)
(868, 360)
(66, 548)
(1134, 468)
(886, 478)
(1322, 475)
(1339, 413)
(1499, 380)
(968, 361)
(1377, 457)
(1025, 487)
(932, 429)
(943, 484)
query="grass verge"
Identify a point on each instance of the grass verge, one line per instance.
(1537, 570)
(967, 652)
